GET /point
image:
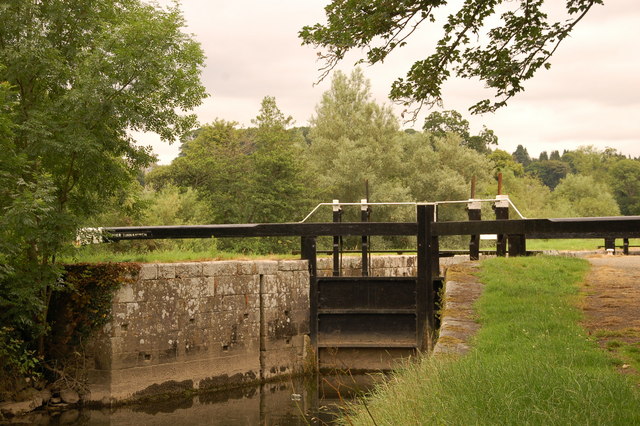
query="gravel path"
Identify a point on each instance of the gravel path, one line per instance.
(612, 304)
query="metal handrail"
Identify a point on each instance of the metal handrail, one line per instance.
(413, 203)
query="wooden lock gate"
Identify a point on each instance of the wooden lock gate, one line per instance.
(365, 323)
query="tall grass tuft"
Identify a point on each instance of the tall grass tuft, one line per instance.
(531, 363)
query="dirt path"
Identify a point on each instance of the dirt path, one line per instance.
(612, 308)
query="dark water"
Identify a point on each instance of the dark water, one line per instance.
(299, 401)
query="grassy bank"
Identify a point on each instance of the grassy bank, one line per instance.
(101, 253)
(573, 244)
(531, 363)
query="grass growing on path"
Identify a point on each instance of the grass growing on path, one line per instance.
(531, 363)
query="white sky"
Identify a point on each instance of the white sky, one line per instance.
(589, 97)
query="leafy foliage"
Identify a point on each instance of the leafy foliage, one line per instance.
(244, 175)
(550, 172)
(76, 77)
(440, 123)
(582, 195)
(502, 43)
(625, 181)
(86, 306)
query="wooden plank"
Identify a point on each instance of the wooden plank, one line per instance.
(365, 327)
(474, 240)
(308, 250)
(502, 213)
(365, 293)
(425, 320)
(355, 311)
(627, 226)
(337, 218)
(261, 230)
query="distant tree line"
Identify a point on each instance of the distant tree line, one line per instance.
(274, 171)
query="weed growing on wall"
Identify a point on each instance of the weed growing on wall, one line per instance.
(86, 306)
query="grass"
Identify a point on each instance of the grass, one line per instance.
(531, 362)
(573, 244)
(103, 253)
(623, 346)
(98, 253)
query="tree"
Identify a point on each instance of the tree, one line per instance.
(85, 73)
(216, 163)
(452, 122)
(589, 160)
(583, 196)
(625, 181)
(529, 194)
(503, 52)
(544, 156)
(550, 172)
(504, 161)
(353, 141)
(245, 175)
(277, 192)
(521, 155)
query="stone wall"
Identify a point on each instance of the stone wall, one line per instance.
(383, 266)
(379, 266)
(214, 324)
(198, 325)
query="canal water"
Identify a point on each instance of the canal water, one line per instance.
(299, 401)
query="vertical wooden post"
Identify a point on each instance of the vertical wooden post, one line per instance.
(364, 217)
(517, 245)
(625, 246)
(501, 207)
(337, 217)
(425, 319)
(434, 254)
(308, 251)
(610, 244)
(475, 213)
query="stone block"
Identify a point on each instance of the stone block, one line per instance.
(246, 268)
(192, 307)
(191, 287)
(188, 270)
(212, 304)
(166, 270)
(238, 284)
(324, 263)
(270, 283)
(266, 267)
(235, 303)
(291, 265)
(219, 268)
(208, 287)
(148, 271)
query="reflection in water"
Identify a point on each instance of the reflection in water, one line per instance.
(300, 401)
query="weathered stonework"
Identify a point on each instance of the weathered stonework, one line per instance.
(458, 322)
(379, 266)
(202, 325)
(214, 324)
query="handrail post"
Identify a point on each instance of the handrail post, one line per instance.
(308, 252)
(475, 213)
(337, 217)
(365, 213)
(501, 206)
(425, 318)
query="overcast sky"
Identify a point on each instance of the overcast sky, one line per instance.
(589, 97)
